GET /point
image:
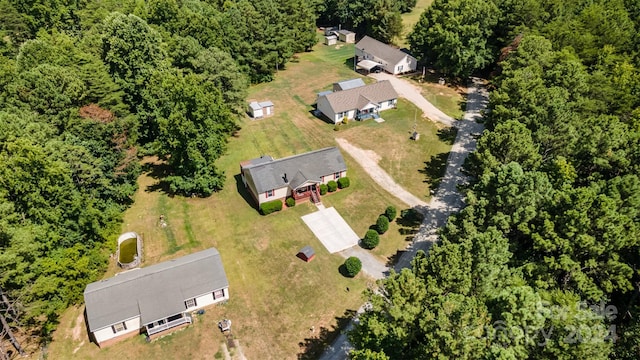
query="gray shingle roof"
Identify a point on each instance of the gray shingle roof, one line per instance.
(349, 99)
(299, 169)
(350, 84)
(381, 50)
(153, 292)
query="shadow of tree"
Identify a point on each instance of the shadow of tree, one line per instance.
(434, 170)
(312, 347)
(158, 171)
(409, 223)
(448, 135)
(393, 259)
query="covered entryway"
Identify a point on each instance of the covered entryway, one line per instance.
(331, 229)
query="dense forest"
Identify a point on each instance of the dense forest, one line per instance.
(543, 261)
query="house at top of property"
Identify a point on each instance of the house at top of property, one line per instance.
(359, 103)
(298, 176)
(371, 53)
(348, 84)
(154, 299)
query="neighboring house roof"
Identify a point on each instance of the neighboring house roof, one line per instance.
(345, 32)
(153, 292)
(350, 84)
(351, 99)
(323, 93)
(381, 50)
(299, 169)
(265, 104)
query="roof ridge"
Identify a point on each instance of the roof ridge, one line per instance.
(300, 155)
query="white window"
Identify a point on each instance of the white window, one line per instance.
(269, 193)
(336, 175)
(119, 327)
(218, 294)
(190, 303)
(390, 103)
(400, 68)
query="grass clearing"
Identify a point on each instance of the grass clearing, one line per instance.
(409, 20)
(275, 298)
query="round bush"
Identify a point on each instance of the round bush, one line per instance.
(323, 189)
(332, 186)
(352, 266)
(371, 239)
(382, 225)
(344, 182)
(391, 213)
(291, 202)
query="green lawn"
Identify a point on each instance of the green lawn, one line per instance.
(275, 298)
(409, 20)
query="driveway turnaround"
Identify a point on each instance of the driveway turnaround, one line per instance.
(331, 229)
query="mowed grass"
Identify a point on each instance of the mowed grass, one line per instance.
(409, 20)
(275, 298)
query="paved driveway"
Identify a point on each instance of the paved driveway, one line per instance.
(331, 229)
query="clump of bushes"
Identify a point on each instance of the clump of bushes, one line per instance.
(291, 202)
(332, 186)
(344, 182)
(382, 225)
(270, 207)
(352, 266)
(390, 212)
(371, 239)
(323, 189)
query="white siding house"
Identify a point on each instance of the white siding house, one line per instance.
(297, 176)
(154, 299)
(359, 102)
(392, 60)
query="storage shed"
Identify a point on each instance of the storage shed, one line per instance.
(260, 109)
(330, 40)
(347, 36)
(306, 253)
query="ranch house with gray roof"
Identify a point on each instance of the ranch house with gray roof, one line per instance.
(371, 53)
(359, 103)
(298, 176)
(154, 299)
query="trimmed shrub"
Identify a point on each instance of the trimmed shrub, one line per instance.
(291, 202)
(390, 212)
(382, 225)
(336, 127)
(352, 266)
(332, 186)
(270, 206)
(323, 189)
(345, 120)
(371, 239)
(344, 182)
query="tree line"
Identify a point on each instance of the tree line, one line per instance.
(542, 263)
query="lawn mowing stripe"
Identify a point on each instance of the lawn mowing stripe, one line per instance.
(187, 225)
(170, 236)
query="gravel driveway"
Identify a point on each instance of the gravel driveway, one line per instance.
(446, 200)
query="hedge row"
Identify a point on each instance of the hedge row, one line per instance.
(270, 207)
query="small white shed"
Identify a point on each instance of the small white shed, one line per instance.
(260, 109)
(347, 36)
(330, 40)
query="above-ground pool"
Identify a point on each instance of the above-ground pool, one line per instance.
(129, 252)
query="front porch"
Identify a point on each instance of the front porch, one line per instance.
(306, 192)
(156, 328)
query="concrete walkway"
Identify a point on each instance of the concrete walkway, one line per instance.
(369, 161)
(331, 229)
(446, 200)
(413, 93)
